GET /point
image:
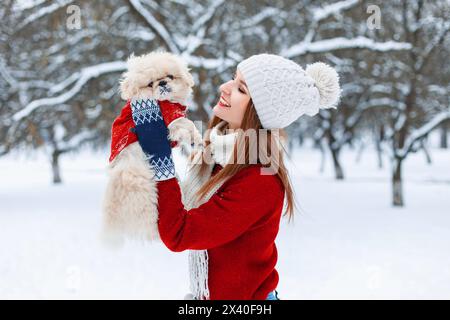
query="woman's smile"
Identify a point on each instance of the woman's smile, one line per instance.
(223, 103)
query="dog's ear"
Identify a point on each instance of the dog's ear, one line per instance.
(187, 76)
(128, 87)
(131, 58)
(133, 61)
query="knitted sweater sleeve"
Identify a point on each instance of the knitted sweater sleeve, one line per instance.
(234, 208)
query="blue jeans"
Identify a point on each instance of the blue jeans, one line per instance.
(273, 295)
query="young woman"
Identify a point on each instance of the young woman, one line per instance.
(227, 210)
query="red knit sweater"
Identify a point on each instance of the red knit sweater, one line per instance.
(238, 227)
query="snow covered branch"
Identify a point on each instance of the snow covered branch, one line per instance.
(7, 75)
(195, 38)
(338, 43)
(382, 102)
(83, 77)
(24, 5)
(260, 16)
(207, 16)
(76, 141)
(21, 85)
(208, 63)
(432, 45)
(56, 5)
(335, 8)
(156, 25)
(423, 131)
(341, 43)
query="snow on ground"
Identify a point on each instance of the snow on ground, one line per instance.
(347, 241)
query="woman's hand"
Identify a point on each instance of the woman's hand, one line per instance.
(152, 134)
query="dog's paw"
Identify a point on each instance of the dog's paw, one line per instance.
(184, 132)
(181, 135)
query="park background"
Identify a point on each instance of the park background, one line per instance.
(372, 177)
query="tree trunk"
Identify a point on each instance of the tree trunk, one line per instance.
(301, 140)
(359, 153)
(444, 136)
(322, 157)
(423, 145)
(55, 167)
(379, 137)
(379, 154)
(338, 172)
(290, 145)
(397, 187)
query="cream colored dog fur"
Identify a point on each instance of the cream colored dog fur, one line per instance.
(130, 202)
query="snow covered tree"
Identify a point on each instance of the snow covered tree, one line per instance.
(420, 107)
(338, 34)
(47, 105)
(59, 75)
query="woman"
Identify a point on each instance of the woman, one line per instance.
(228, 208)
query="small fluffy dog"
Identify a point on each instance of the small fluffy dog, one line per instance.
(130, 202)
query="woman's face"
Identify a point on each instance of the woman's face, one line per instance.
(233, 101)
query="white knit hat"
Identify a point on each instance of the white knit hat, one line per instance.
(282, 91)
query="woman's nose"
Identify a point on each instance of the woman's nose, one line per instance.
(225, 88)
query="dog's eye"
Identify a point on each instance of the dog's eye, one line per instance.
(171, 77)
(150, 84)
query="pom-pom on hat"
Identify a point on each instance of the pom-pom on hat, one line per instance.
(282, 91)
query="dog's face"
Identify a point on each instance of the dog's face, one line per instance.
(157, 75)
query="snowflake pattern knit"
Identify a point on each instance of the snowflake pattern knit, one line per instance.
(152, 131)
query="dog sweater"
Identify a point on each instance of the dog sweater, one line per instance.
(122, 134)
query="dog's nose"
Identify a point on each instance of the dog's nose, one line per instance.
(162, 83)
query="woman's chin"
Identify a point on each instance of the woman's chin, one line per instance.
(218, 112)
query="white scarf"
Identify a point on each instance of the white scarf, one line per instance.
(221, 144)
(221, 149)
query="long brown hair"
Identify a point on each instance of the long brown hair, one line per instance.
(251, 121)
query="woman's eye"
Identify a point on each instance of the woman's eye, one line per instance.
(170, 77)
(240, 90)
(150, 84)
